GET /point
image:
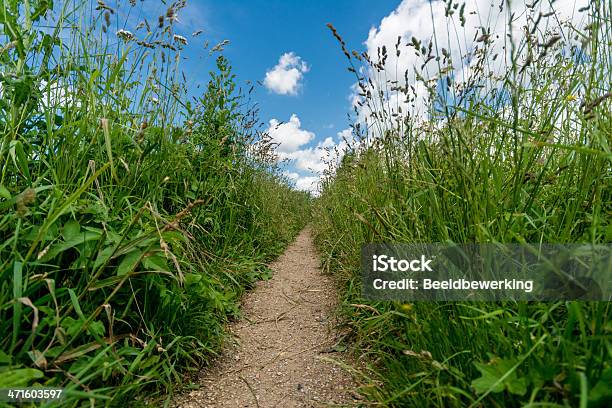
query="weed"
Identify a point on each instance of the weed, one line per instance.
(131, 217)
(447, 152)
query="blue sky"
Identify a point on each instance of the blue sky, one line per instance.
(306, 90)
(260, 32)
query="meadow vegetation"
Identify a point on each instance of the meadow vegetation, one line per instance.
(473, 152)
(133, 213)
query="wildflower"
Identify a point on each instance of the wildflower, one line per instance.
(407, 307)
(125, 35)
(571, 98)
(180, 39)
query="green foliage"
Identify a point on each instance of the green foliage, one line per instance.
(525, 167)
(497, 376)
(131, 221)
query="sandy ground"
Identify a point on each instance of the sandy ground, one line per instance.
(283, 343)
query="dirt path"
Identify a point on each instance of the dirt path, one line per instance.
(284, 339)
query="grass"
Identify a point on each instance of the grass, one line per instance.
(517, 154)
(132, 215)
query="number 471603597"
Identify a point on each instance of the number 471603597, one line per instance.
(30, 394)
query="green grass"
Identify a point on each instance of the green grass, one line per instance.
(132, 218)
(531, 166)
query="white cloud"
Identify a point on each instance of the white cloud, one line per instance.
(309, 183)
(285, 77)
(291, 175)
(307, 164)
(304, 183)
(56, 95)
(422, 18)
(345, 136)
(317, 159)
(312, 159)
(419, 18)
(289, 135)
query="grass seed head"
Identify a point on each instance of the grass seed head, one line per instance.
(27, 197)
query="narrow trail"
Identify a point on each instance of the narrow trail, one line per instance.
(284, 343)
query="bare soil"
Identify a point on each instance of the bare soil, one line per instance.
(286, 349)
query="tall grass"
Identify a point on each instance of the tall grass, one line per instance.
(519, 154)
(132, 216)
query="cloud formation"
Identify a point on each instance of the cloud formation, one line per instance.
(423, 19)
(308, 183)
(285, 78)
(312, 159)
(307, 163)
(289, 135)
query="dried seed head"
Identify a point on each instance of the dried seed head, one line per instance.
(335, 33)
(27, 196)
(171, 15)
(588, 107)
(43, 252)
(125, 35)
(8, 47)
(552, 41)
(24, 199)
(483, 38)
(180, 39)
(103, 6)
(104, 124)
